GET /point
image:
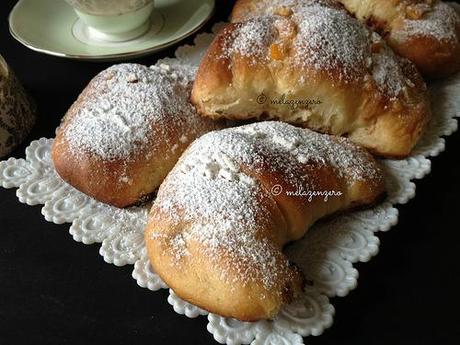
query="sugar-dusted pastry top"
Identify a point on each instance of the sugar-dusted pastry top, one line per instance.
(326, 38)
(211, 186)
(126, 107)
(126, 131)
(317, 52)
(426, 32)
(222, 215)
(430, 18)
(248, 9)
(310, 26)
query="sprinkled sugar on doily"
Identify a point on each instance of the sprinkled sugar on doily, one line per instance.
(326, 254)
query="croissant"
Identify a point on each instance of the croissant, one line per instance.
(317, 67)
(126, 131)
(236, 197)
(426, 32)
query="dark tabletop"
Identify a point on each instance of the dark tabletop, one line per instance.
(56, 291)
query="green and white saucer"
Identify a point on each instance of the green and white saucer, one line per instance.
(52, 27)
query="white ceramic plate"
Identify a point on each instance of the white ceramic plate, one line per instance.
(50, 27)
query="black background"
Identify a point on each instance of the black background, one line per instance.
(56, 291)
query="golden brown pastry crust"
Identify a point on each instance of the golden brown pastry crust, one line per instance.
(366, 92)
(427, 32)
(244, 10)
(126, 131)
(235, 198)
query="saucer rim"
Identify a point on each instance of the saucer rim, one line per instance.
(108, 57)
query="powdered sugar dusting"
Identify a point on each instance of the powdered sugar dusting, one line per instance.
(322, 37)
(327, 37)
(225, 208)
(263, 7)
(388, 72)
(115, 116)
(287, 146)
(441, 22)
(251, 39)
(317, 35)
(330, 39)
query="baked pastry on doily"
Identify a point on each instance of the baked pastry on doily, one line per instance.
(126, 131)
(236, 197)
(426, 32)
(315, 66)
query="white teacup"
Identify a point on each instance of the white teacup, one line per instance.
(114, 20)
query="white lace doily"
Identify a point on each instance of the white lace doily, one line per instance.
(326, 254)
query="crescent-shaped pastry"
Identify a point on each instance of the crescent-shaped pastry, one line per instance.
(222, 216)
(315, 66)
